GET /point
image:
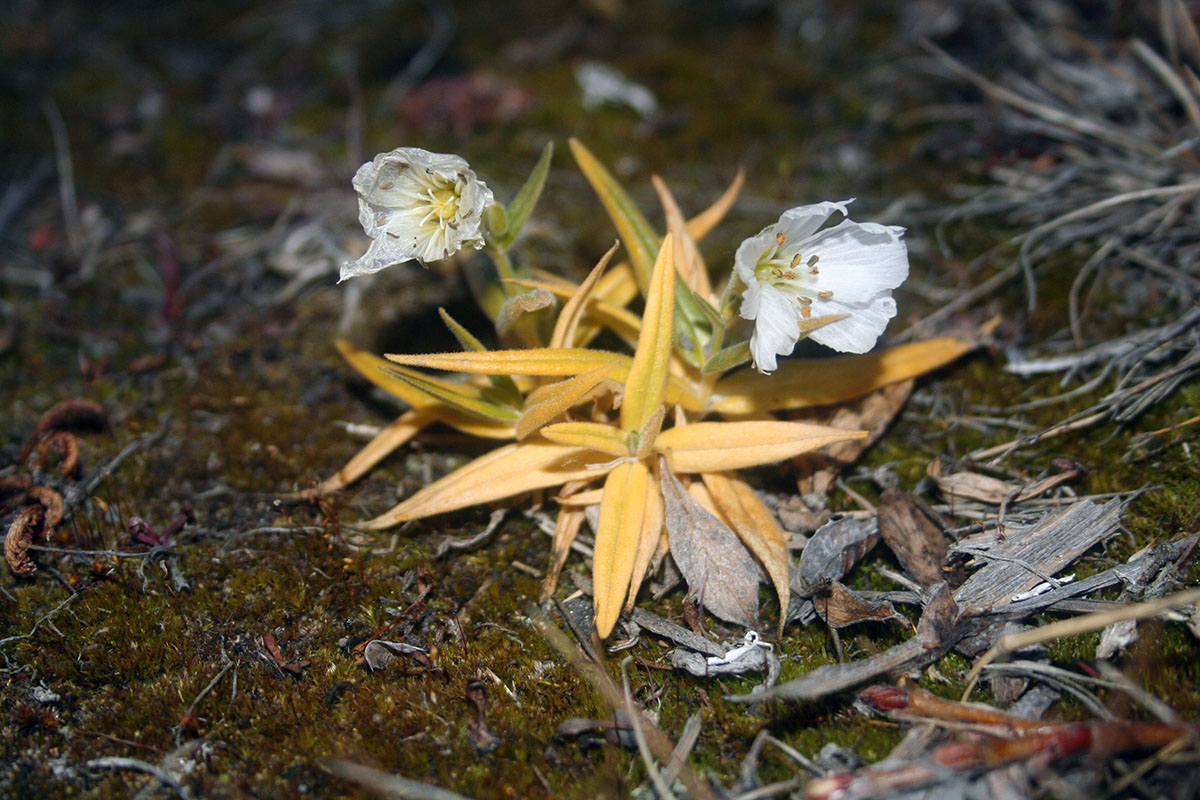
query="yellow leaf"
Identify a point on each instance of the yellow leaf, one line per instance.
(565, 530)
(718, 446)
(594, 435)
(645, 387)
(648, 541)
(560, 361)
(403, 428)
(506, 471)
(617, 537)
(547, 402)
(700, 225)
(568, 319)
(620, 321)
(590, 497)
(371, 367)
(639, 238)
(755, 525)
(691, 264)
(800, 383)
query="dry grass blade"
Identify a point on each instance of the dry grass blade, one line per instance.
(1076, 626)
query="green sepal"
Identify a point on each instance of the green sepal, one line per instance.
(725, 360)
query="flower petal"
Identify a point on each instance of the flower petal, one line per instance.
(860, 260)
(858, 332)
(776, 329)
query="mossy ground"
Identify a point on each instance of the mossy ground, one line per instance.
(252, 390)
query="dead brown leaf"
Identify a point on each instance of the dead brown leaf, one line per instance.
(832, 551)
(718, 568)
(20, 537)
(917, 541)
(986, 489)
(840, 606)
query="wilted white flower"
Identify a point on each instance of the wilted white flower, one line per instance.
(795, 270)
(415, 204)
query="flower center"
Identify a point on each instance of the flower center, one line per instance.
(793, 273)
(443, 203)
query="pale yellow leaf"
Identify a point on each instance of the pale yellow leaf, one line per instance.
(648, 541)
(572, 312)
(755, 525)
(719, 446)
(371, 367)
(565, 530)
(645, 386)
(387, 440)
(691, 264)
(506, 471)
(547, 402)
(590, 497)
(594, 435)
(620, 528)
(700, 225)
(800, 383)
(557, 362)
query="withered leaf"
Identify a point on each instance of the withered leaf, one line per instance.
(379, 653)
(20, 536)
(840, 606)
(832, 551)
(986, 489)
(718, 568)
(919, 544)
(516, 307)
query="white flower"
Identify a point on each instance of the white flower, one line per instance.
(417, 205)
(794, 271)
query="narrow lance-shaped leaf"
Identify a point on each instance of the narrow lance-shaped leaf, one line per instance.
(648, 540)
(646, 384)
(639, 237)
(572, 312)
(593, 435)
(399, 431)
(558, 362)
(509, 393)
(799, 383)
(471, 403)
(700, 225)
(549, 401)
(372, 367)
(505, 471)
(719, 446)
(617, 536)
(519, 209)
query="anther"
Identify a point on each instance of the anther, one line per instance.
(805, 312)
(779, 238)
(796, 261)
(825, 295)
(812, 262)
(388, 185)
